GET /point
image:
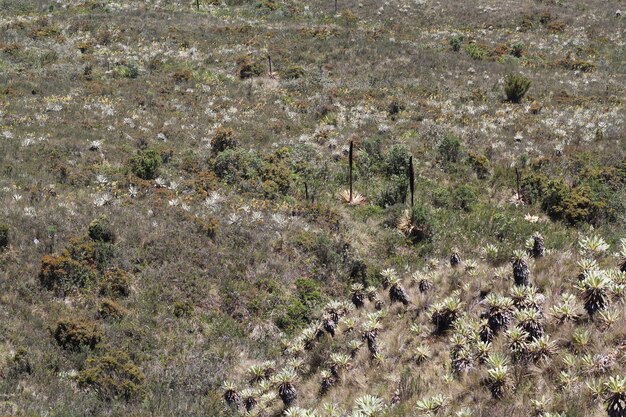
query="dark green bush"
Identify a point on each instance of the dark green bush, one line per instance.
(455, 42)
(595, 198)
(276, 173)
(100, 230)
(234, 165)
(309, 291)
(20, 363)
(450, 149)
(223, 138)
(394, 192)
(146, 164)
(93, 253)
(207, 226)
(423, 226)
(295, 316)
(74, 334)
(270, 5)
(517, 49)
(249, 68)
(300, 310)
(515, 87)
(394, 108)
(441, 197)
(569, 204)
(373, 148)
(397, 160)
(113, 376)
(182, 309)
(464, 197)
(4, 236)
(532, 187)
(126, 70)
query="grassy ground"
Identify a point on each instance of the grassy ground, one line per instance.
(219, 184)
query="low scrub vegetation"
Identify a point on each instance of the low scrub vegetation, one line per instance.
(283, 208)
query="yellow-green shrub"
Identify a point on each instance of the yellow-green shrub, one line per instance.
(74, 334)
(113, 376)
(62, 274)
(116, 283)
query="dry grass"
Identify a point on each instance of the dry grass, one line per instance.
(227, 254)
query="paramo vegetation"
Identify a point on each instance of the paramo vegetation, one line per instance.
(321, 208)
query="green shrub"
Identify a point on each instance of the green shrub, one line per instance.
(441, 197)
(394, 108)
(455, 42)
(450, 149)
(464, 197)
(394, 192)
(397, 160)
(309, 291)
(373, 148)
(276, 173)
(223, 138)
(62, 274)
(517, 49)
(127, 70)
(181, 75)
(113, 376)
(595, 198)
(476, 51)
(92, 253)
(20, 363)
(532, 187)
(100, 230)
(583, 66)
(208, 227)
(270, 5)
(295, 316)
(74, 334)
(116, 283)
(572, 205)
(515, 87)
(423, 228)
(4, 236)
(299, 310)
(234, 165)
(146, 164)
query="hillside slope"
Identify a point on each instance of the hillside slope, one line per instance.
(176, 207)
